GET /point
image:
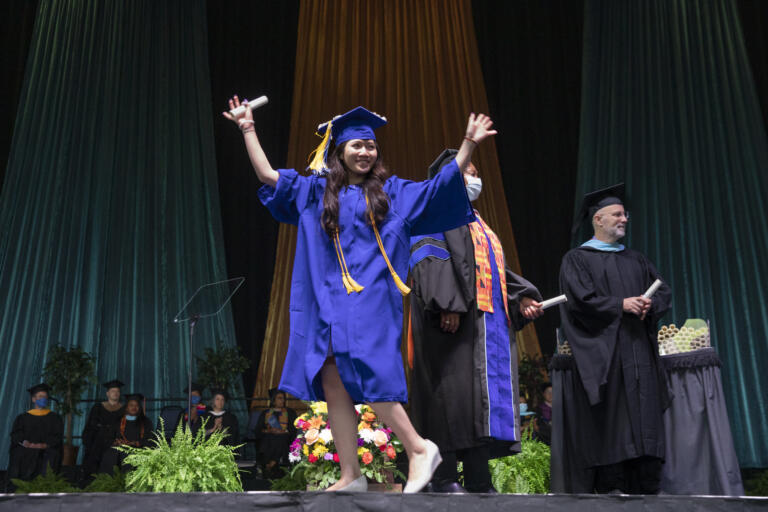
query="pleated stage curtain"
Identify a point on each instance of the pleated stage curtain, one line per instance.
(414, 62)
(669, 107)
(109, 214)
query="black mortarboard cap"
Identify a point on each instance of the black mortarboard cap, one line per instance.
(446, 156)
(135, 396)
(195, 387)
(596, 200)
(113, 384)
(39, 387)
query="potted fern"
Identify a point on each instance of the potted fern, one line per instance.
(189, 463)
(69, 373)
(524, 473)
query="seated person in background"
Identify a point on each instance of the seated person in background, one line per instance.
(102, 419)
(220, 420)
(544, 421)
(198, 409)
(275, 432)
(133, 429)
(36, 438)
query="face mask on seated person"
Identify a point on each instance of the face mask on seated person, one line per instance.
(41, 402)
(130, 417)
(474, 187)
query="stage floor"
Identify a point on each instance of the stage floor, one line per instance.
(368, 502)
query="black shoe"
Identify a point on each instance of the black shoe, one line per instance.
(448, 487)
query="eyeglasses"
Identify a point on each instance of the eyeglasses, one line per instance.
(619, 215)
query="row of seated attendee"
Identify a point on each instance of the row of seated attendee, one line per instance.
(36, 436)
(111, 424)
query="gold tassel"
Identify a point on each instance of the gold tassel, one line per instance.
(404, 290)
(349, 284)
(318, 163)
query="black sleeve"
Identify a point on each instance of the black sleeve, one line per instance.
(55, 435)
(18, 432)
(661, 301)
(91, 428)
(585, 304)
(291, 421)
(146, 440)
(231, 423)
(434, 281)
(517, 288)
(258, 431)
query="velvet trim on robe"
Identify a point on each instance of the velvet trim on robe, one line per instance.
(364, 328)
(464, 388)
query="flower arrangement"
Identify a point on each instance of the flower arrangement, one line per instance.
(313, 452)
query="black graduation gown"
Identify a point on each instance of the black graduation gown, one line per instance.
(274, 446)
(182, 418)
(616, 354)
(448, 397)
(100, 423)
(27, 463)
(228, 422)
(134, 433)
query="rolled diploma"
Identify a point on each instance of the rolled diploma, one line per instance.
(554, 301)
(253, 104)
(650, 291)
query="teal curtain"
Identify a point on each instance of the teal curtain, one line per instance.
(109, 215)
(669, 107)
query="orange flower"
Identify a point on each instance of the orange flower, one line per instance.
(391, 453)
(369, 417)
(367, 458)
(316, 422)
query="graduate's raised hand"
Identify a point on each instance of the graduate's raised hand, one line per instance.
(243, 120)
(479, 128)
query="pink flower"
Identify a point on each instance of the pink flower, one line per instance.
(335, 457)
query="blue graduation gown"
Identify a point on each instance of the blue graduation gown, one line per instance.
(364, 328)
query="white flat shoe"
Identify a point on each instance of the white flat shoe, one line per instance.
(359, 484)
(425, 467)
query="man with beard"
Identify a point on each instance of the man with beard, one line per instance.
(611, 328)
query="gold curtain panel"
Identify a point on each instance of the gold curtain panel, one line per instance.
(415, 63)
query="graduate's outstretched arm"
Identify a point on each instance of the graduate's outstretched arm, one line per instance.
(264, 170)
(479, 128)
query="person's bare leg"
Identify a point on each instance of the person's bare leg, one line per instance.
(341, 415)
(393, 414)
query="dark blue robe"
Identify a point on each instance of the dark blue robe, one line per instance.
(364, 328)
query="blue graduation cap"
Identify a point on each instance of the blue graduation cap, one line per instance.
(358, 123)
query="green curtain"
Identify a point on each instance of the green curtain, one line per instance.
(109, 215)
(669, 107)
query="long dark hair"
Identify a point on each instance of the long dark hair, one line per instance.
(373, 187)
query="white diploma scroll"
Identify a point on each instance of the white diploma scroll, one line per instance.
(554, 301)
(650, 291)
(253, 104)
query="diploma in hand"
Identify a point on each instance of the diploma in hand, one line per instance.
(554, 301)
(650, 291)
(254, 104)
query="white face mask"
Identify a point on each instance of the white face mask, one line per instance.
(474, 187)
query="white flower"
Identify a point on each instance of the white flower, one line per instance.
(326, 436)
(293, 458)
(366, 435)
(358, 408)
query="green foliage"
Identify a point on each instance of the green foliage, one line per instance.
(758, 484)
(108, 483)
(69, 373)
(220, 367)
(51, 482)
(524, 473)
(532, 373)
(190, 463)
(293, 480)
